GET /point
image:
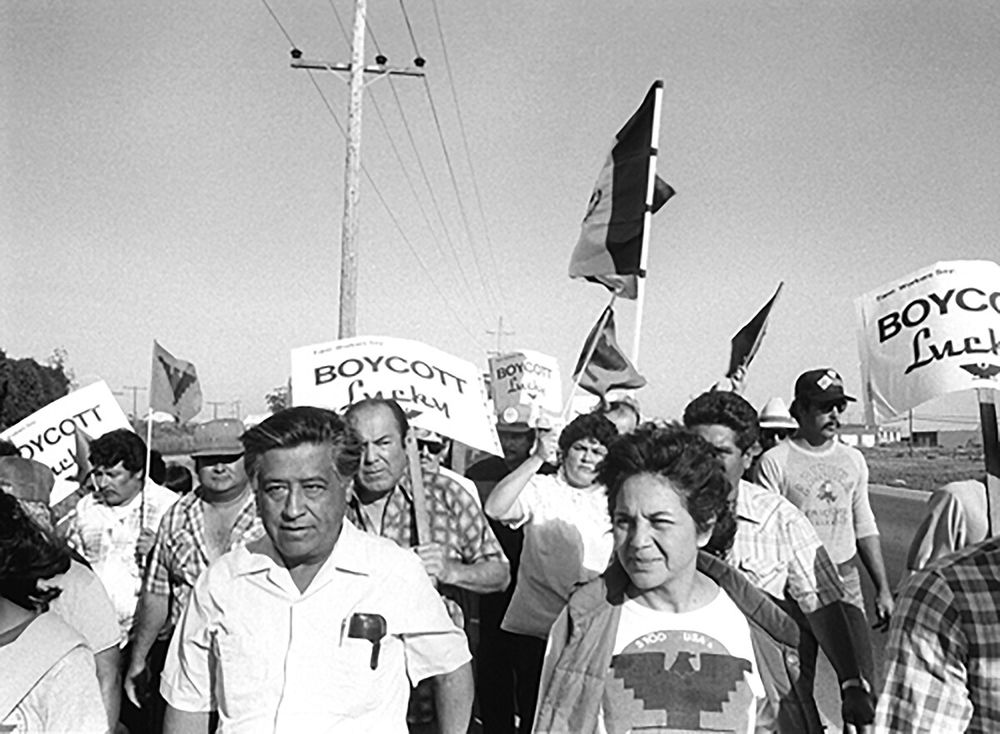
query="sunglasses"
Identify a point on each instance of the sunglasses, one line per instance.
(839, 405)
(434, 447)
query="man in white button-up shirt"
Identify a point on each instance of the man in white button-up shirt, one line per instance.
(317, 627)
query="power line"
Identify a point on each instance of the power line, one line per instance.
(463, 276)
(374, 186)
(392, 216)
(487, 285)
(490, 250)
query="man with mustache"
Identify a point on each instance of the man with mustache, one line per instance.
(462, 554)
(200, 527)
(828, 481)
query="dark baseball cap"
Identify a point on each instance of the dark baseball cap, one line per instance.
(821, 386)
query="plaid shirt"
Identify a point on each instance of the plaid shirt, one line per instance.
(181, 552)
(778, 550)
(943, 654)
(456, 522)
(107, 537)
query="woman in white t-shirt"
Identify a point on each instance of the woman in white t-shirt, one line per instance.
(567, 536)
(669, 637)
(48, 681)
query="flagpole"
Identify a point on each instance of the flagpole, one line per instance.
(149, 457)
(647, 218)
(590, 353)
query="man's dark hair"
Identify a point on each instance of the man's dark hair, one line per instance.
(682, 457)
(588, 425)
(8, 449)
(398, 414)
(177, 478)
(304, 425)
(120, 445)
(723, 408)
(28, 554)
(157, 467)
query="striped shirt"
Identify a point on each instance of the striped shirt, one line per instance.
(943, 655)
(107, 537)
(778, 550)
(181, 552)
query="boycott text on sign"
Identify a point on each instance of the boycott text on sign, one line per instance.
(929, 333)
(49, 435)
(441, 392)
(526, 378)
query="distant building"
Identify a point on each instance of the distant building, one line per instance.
(947, 439)
(861, 436)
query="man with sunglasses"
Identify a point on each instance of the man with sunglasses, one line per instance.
(433, 448)
(201, 526)
(828, 481)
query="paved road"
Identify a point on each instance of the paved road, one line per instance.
(898, 512)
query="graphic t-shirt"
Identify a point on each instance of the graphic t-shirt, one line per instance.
(693, 671)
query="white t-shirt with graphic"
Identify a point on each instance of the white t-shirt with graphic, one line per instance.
(690, 671)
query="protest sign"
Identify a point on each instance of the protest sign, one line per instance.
(49, 435)
(438, 391)
(929, 333)
(527, 382)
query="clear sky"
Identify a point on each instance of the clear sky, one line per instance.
(167, 175)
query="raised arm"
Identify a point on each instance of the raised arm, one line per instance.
(502, 502)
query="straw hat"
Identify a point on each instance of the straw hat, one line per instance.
(775, 414)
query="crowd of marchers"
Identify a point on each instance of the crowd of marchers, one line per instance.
(611, 575)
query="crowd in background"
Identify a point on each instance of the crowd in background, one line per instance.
(615, 574)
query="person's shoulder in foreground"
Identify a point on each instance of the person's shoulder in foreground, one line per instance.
(943, 654)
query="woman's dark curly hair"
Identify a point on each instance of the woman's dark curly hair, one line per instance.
(677, 454)
(588, 425)
(28, 554)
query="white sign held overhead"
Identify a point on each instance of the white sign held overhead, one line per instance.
(930, 333)
(439, 392)
(527, 382)
(49, 435)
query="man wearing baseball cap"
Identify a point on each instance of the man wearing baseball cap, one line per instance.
(828, 481)
(203, 525)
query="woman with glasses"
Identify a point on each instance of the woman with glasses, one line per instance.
(567, 536)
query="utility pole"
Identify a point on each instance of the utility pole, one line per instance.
(135, 399)
(348, 320)
(500, 335)
(215, 407)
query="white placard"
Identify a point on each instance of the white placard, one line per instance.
(438, 391)
(49, 435)
(930, 333)
(527, 381)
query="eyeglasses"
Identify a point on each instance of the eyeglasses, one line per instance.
(434, 447)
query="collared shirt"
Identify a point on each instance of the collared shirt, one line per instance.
(107, 537)
(181, 552)
(778, 549)
(456, 522)
(943, 655)
(270, 658)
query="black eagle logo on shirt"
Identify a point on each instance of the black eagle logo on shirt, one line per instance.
(681, 691)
